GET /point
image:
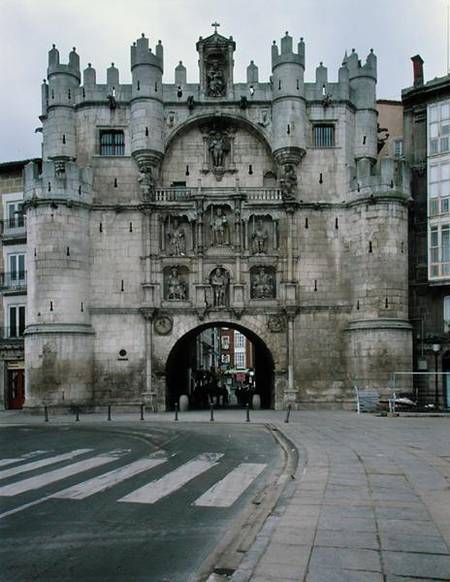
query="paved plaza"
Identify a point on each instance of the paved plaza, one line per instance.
(369, 501)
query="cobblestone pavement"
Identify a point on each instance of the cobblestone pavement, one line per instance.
(370, 500)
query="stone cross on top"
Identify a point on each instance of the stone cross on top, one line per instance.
(215, 24)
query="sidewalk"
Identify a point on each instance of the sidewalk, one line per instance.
(369, 503)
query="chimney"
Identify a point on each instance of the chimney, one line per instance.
(418, 70)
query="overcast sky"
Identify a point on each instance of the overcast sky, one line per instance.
(102, 31)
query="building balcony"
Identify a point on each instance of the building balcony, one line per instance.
(13, 230)
(14, 282)
(184, 194)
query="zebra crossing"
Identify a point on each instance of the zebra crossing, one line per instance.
(224, 492)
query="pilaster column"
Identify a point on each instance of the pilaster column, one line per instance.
(150, 396)
(291, 392)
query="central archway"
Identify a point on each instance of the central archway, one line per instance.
(183, 368)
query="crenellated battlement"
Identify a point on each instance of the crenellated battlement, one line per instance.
(141, 54)
(58, 180)
(287, 55)
(357, 69)
(387, 176)
(56, 68)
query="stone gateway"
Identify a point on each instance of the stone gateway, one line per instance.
(162, 209)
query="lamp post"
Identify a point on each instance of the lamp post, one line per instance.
(436, 349)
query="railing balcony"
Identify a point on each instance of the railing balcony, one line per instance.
(12, 333)
(13, 281)
(182, 194)
(13, 227)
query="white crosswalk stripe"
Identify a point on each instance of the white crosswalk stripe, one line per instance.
(108, 480)
(174, 480)
(56, 475)
(42, 463)
(226, 491)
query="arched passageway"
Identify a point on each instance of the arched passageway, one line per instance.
(221, 362)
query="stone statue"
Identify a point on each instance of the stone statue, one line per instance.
(289, 182)
(218, 145)
(146, 182)
(215, 80)
(176, 288)
(263, 285)
(219, 229)
(259, 237)
(219, 283)
(177, 239)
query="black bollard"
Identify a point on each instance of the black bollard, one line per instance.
(212, 412)
(142, 412)
(288, 413)
(46, 413)
(176, 411)
(77, 414)
(109, 412)
(247, 410)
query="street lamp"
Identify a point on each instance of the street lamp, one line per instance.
(436, 349)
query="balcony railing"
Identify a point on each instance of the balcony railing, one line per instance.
(15, 226)
(13, 281)
(182, 194)
(12, 333)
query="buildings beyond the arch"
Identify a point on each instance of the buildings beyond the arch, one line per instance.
(161, 207)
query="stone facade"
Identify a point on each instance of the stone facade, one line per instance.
(164, 208)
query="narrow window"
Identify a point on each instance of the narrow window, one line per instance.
(51, 305)
(146, 132)
(64, 138)
(298, 85)
(250, 169)
(279, 84)
(370, 246)
(288, 129)
(79, 190)
(187, 171)
(100, 227)
(323, 136)
(138, 85)
(49, 187)
(315, 284)
(112, 142)
(68, 251)
(364, 140)
(357, 305)
(156, 87)
(386, 303)
(131, 227)
(122, 286)
(306, 223)
(82, 307)
(115, 182)
(336, 223)
(69, 96)
(320, 178)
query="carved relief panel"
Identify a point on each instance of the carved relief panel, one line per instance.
(262, 282)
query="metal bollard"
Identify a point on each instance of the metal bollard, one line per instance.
(142, 411)
(247, 410)
(109, 412)
(46, 413)
(77, 414)
(288, 413)
(176, 411)
(212, 412)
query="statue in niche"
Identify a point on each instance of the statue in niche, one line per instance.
(176, 287)
(219, 229)
(146, 182)
(219, 284)
(215, 80)
(289, 182)
(263, 285)
(259, 237)
(177, 239)
(218, 146)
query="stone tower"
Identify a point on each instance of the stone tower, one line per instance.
(165, 209)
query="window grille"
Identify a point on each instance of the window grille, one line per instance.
(112, 143)
(323, 136)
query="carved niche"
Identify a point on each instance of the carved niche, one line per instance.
(219, 223)
(219, 279)
(176, 287)
(176, 236)
(262, 282)
(216, 64)
(262, 234)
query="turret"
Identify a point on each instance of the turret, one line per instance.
(180, 75)
(59, 134)
(147, 112)
(288, 109)
(252, 74)
(363, 80)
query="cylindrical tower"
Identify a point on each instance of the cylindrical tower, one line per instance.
(288, 102)
(363, 80)
(59, 129)
(147, 111)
